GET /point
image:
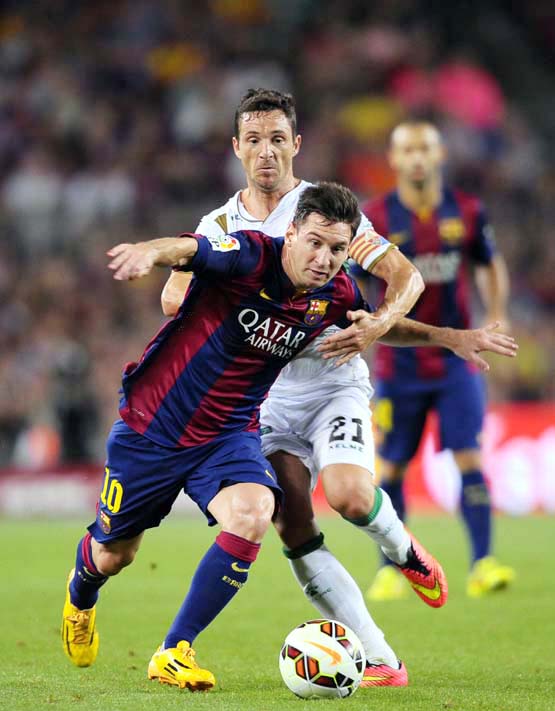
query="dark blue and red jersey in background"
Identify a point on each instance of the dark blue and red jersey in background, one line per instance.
(443, 245)
(206, 372)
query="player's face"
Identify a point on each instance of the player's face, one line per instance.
(417, 153)
(315, 250)
(266, 148)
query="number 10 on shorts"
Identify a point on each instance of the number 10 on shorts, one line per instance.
(112, 493)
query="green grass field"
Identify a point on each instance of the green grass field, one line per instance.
(495, 653)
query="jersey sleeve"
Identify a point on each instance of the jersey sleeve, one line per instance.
(368, 247)
(236, 254)
(209, 227)
(482, 246)
(357, 301)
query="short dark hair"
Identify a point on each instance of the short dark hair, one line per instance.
(332, 201)
(262, 100)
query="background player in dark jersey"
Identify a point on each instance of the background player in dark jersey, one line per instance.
(445, 233)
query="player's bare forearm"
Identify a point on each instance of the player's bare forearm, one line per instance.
(174, 291)
(404, 286)
(467, 344)
(131, 261)
(493, 284)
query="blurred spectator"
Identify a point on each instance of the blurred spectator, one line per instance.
(114, 125)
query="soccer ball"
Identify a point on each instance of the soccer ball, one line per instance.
(322, 658)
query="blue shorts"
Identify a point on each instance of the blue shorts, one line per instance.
(143, 479)
(401, 407)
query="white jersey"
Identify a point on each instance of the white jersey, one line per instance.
(308, 370)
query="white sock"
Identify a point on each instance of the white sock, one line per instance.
(387, 530)
(334, 593)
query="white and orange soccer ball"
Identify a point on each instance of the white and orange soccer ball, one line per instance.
(322, 659)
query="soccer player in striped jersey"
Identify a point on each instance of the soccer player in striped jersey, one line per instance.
(316, 417)
(445, 233)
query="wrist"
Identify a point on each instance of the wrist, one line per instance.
(444, 337)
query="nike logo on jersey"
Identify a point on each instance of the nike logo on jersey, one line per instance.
(269, 474)
(264, 295)
(237, 569)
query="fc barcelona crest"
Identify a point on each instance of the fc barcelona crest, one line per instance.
(105, 522)
(316, 311)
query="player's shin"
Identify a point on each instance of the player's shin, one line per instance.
(385, 528)
(334, 593)
(220, 575)
(476, 512)
(87, 580)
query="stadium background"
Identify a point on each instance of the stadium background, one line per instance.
(115, 125)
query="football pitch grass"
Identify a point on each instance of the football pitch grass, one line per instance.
(495, 653)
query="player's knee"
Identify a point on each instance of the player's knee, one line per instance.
(251, 516)
(112, 562)
(356, 506)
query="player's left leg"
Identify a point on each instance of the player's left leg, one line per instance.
(324, 581)
(235, 487)
(486, 574)
(461, 407)
(244, 512)
(343, 448)
(348, 490)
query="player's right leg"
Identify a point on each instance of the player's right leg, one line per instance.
(324, 581)
(136, 494)
(94, 564)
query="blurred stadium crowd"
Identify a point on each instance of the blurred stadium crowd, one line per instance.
(115, 125)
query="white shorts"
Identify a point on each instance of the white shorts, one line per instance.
(334, 428)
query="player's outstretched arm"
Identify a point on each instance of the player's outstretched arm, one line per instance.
(467, 344)
(131, 261)
(404, 286)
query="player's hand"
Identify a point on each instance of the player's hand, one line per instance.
(468, 344)
(131, 261)
(501, 319)
(365, 330)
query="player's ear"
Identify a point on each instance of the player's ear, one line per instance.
(235, 144)
(297, 144)
(291, 233)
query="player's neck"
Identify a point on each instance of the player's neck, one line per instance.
(420, 199)
(260, 203)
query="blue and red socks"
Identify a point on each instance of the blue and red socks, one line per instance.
(219, 576)
(476, 512)
(87, 581)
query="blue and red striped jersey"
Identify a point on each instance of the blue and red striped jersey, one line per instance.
(206, 372)
(442, 245)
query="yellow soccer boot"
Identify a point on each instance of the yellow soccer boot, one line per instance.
(177, 667)
(389, 584)
(487, 576)
(79, 635)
